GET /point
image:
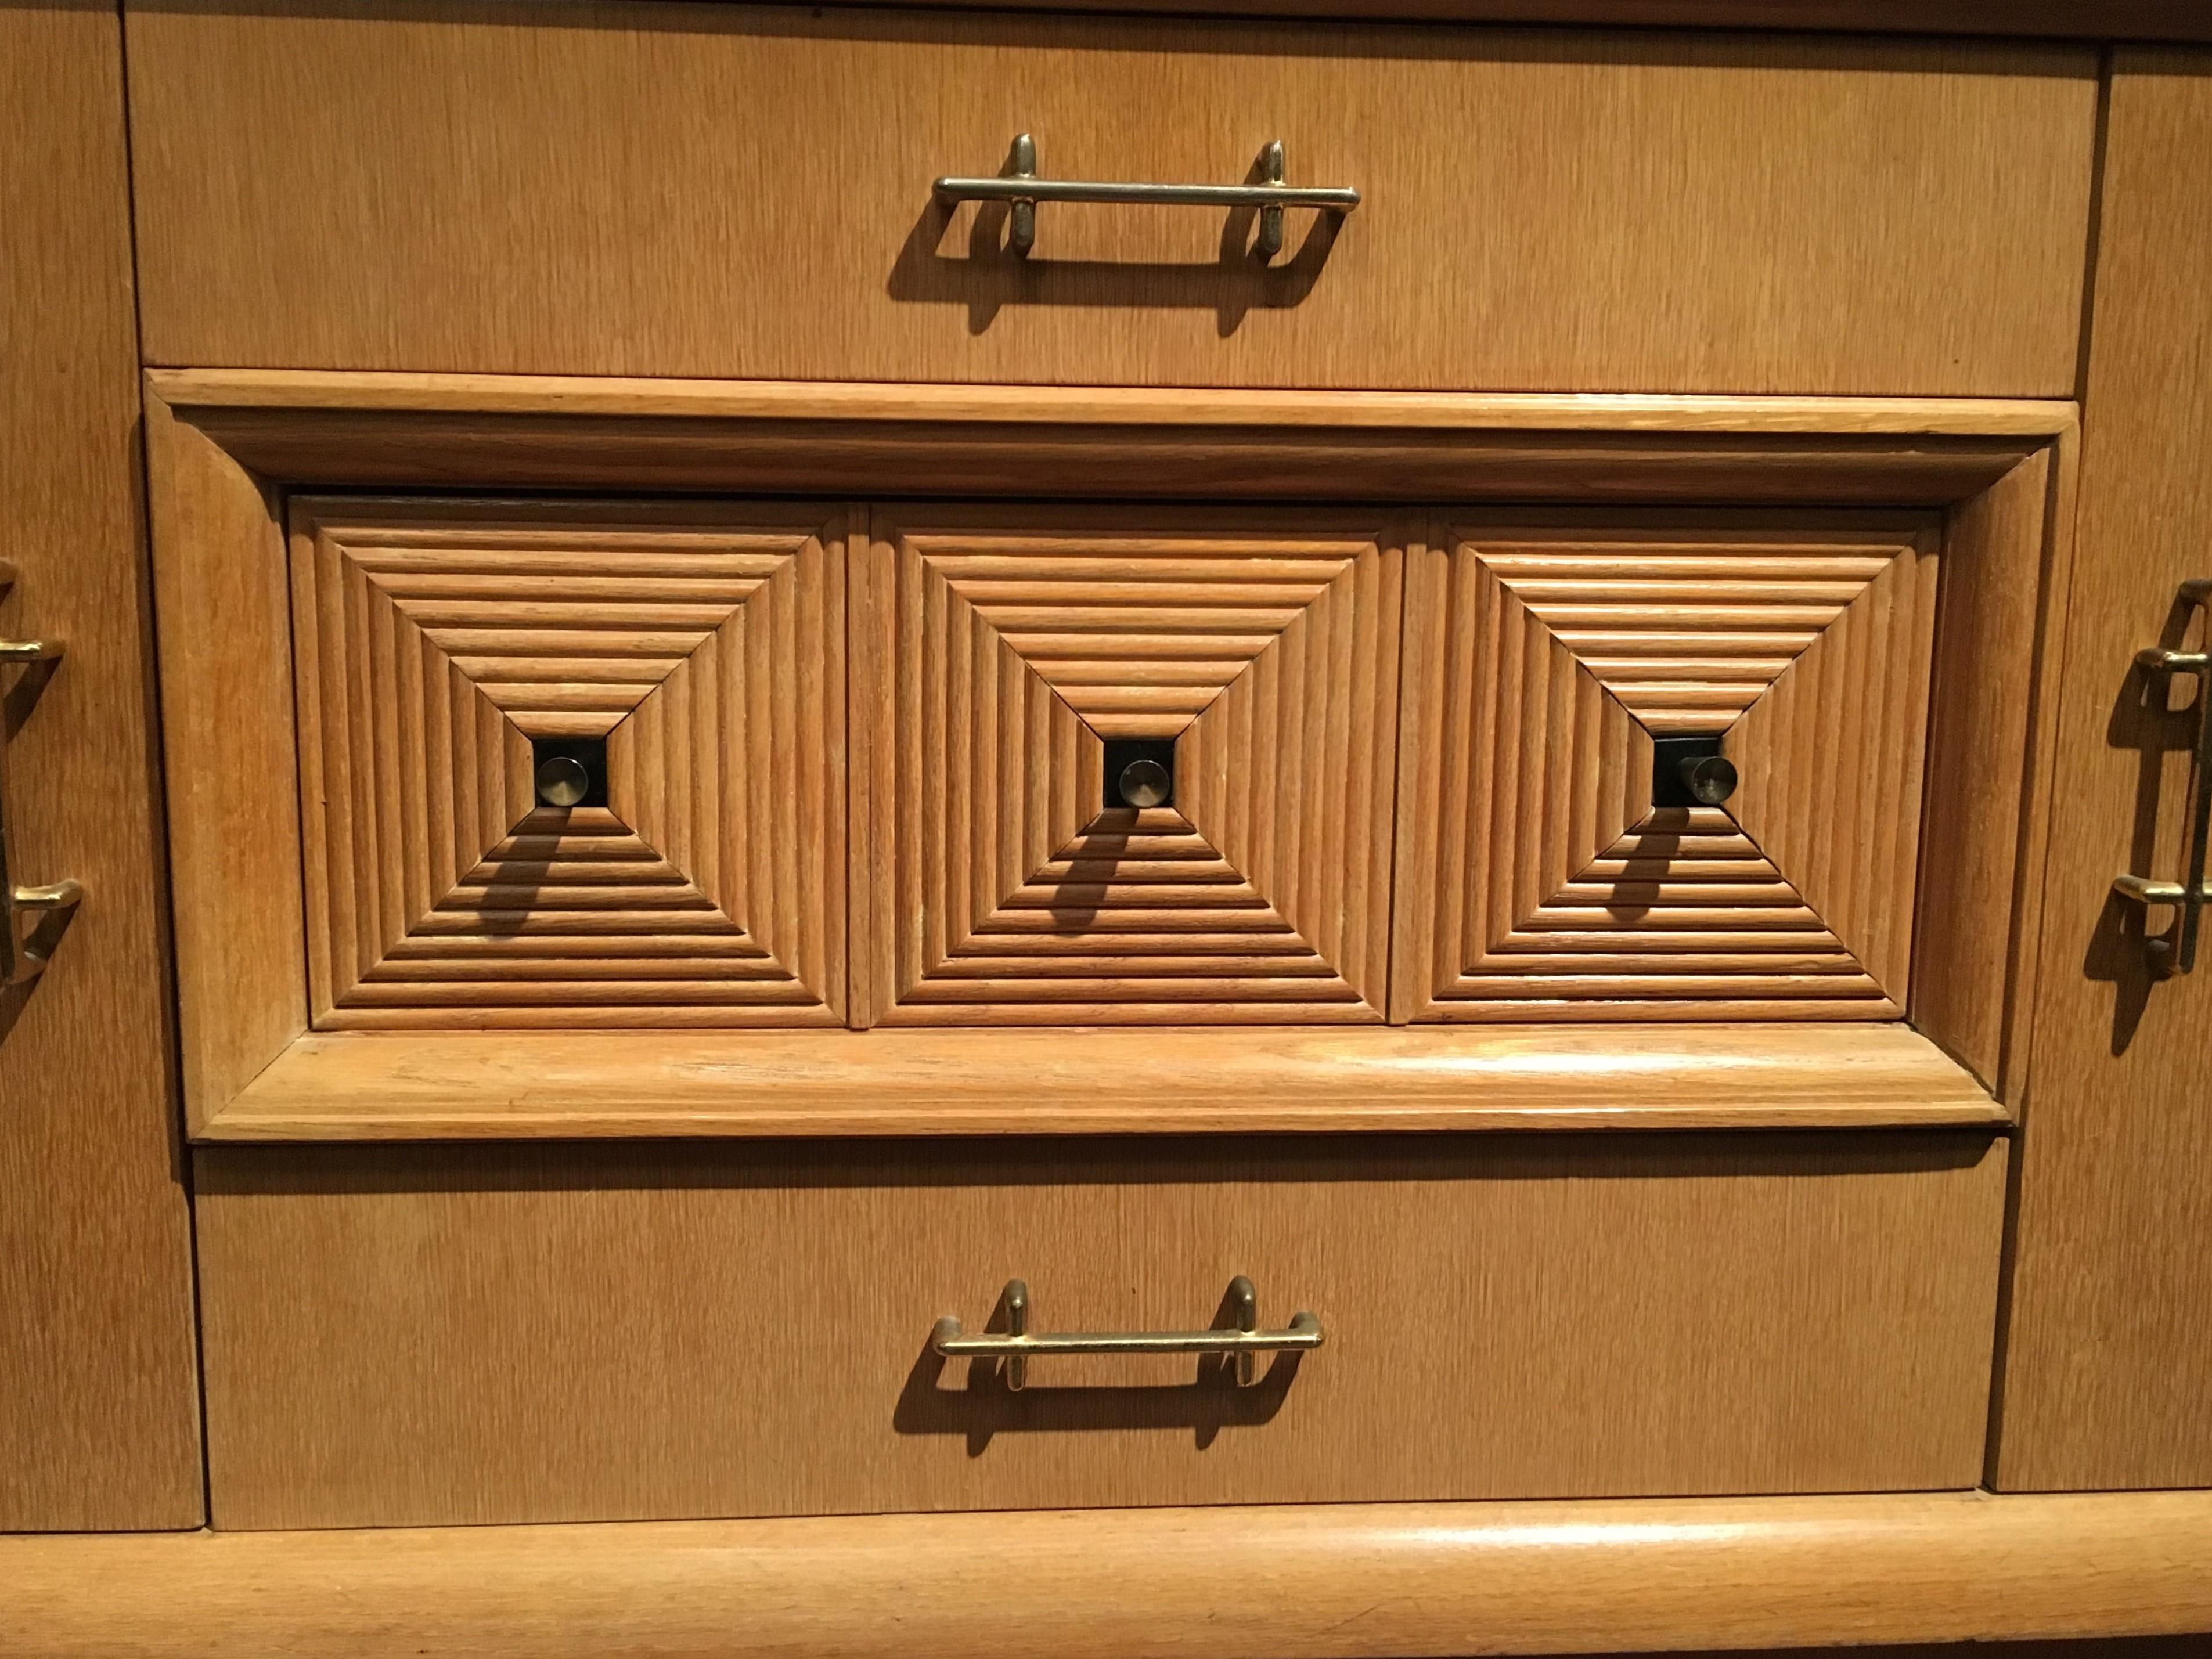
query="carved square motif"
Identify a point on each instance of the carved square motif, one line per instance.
(436, 641)
(1536, 878)
(996, 652)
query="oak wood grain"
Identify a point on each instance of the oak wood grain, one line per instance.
(503, 1335)
(1535, 877)
(98, 1371)
(1993, 769)
(295, 429)
(489, 431)
(1339, 1581)
(437, 1086)
(222, 611)
(1005, 645)
(436, 640)
(745, 192)
(2108, 1357)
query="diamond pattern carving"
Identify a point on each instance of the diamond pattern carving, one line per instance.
(1537, 879)
(996, 650)
(434, 640)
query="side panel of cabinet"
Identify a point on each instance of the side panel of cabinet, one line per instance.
(98, 1406)
(2109, 1360)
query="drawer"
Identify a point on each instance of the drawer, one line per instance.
(404, 1336)
(682, 190)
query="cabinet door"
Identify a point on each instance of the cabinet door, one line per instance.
(2110, 1353)
(98, 1406)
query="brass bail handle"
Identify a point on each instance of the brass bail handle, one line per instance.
(1244, 1341)
(2174, 951)
(23, 959)
(1019, 187)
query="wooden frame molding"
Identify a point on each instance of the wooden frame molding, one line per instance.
(1332, 1582)
(232, 452)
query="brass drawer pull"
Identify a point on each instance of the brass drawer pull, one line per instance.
(1021, 188)
(1016, 1344)
(23, 959)
(2170, 954)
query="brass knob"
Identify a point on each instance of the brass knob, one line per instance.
(1145, 783)
(1711, 779)
(562, 781)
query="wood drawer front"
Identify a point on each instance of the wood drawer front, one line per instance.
(1542, 875)
(746, 192)
(694, 653)
(402, 1337)
(1003, 655)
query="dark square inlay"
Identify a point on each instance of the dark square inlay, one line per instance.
(1130, 763)
(1671, 759)
(569, 771)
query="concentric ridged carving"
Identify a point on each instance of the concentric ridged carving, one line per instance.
(994, 654)
(434, 640)
(1537, 880)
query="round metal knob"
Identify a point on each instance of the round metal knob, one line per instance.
(1145, 783)
(562, 781)
(1711, 779)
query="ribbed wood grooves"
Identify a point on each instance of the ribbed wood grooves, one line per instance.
(1017, 896)
(1832, 760)
(1687, 630)
(1536, 880)
(436, 639)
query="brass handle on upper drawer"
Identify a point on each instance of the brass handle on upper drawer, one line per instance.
(2188, 896)
(22, 960)
(1021, 188)
(1017, 1344)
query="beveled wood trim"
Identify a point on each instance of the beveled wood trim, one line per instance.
(205, 390)
(341, 431)
(1332, 1582)
(222, 622)
(487, 1085)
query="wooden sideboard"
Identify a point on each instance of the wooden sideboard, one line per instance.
(718, 793)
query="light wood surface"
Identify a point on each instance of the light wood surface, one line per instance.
(223, 626)
(99, 1395)
(2110, 1357)
(389, 1086)
(414, 1335)
(1535, 877)
(680, 189)
(1004, 646)
(570, 433)
(1993, 760)
(703, 644)
(290, 429)
(1338, 1582)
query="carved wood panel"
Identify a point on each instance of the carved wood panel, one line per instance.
(435, 642)
(1537, 877)
(998, 650)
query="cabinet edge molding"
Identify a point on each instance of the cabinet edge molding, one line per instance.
(1342, 1580)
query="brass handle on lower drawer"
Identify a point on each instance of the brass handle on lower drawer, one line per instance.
(2188, 895)
(22, 960)
(1022, 190)
(1017, 1344)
